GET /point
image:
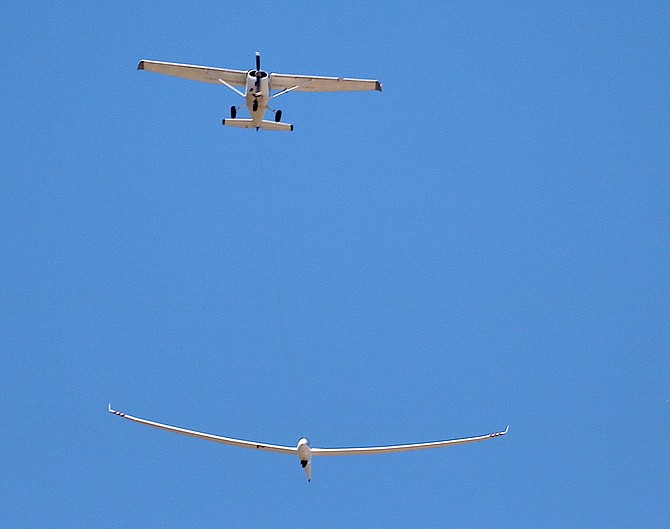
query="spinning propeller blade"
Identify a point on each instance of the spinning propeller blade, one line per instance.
(258, 70)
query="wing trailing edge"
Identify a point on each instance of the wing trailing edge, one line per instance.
(205, 74)
(206, 436)
(404, 448)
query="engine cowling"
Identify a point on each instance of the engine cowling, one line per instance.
(257, 82)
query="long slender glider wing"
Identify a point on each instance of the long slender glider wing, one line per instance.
(205, 74)
(209, 437)
(306, 83)
(402, 448)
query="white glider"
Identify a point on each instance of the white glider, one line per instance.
(258, 88)
(303, 450)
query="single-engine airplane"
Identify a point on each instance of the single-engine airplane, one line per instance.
(258, 89)
(303, 450)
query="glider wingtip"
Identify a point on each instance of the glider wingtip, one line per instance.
(506, 429)
(140, 65)
(114, 412)
(378, 86)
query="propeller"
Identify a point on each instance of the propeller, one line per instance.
(258, 70)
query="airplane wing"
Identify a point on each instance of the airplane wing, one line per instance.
(402, 448)
(209, 437)
(205, 74)
(306, 83)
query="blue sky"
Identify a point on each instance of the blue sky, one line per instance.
(483, 243)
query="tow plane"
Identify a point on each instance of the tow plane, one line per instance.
(259, 88)
(304, 450)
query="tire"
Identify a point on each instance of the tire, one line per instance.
(278, 116)
(233, 112)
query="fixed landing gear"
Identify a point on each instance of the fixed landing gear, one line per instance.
(278, 116)
(233, 112)
(255, 105)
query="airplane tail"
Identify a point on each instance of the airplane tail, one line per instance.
(273, 125)
(265, 124)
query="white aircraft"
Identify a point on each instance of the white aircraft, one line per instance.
(258, 88)
(303, 450)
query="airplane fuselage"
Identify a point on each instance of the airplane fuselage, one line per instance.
(257, 95)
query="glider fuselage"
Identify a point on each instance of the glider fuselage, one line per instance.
(305, 455)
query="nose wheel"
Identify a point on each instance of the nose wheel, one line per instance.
(233, 112)
(278, 116)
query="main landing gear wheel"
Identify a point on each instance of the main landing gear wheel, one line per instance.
(233, 112)
(255, 105)
(278, 116)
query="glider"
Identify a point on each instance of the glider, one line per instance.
(303, 450)
(258, 86)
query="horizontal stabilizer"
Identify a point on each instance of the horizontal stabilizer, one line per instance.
(241, 123)
(265, 124)
(273, 125)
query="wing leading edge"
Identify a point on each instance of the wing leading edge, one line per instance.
(209, 437)
(307, 83)
(403, 448)
(205, 74)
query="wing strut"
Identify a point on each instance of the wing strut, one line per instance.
(287, 90)
(231, 87)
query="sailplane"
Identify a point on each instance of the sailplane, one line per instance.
(304, 450)
(258, 88)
